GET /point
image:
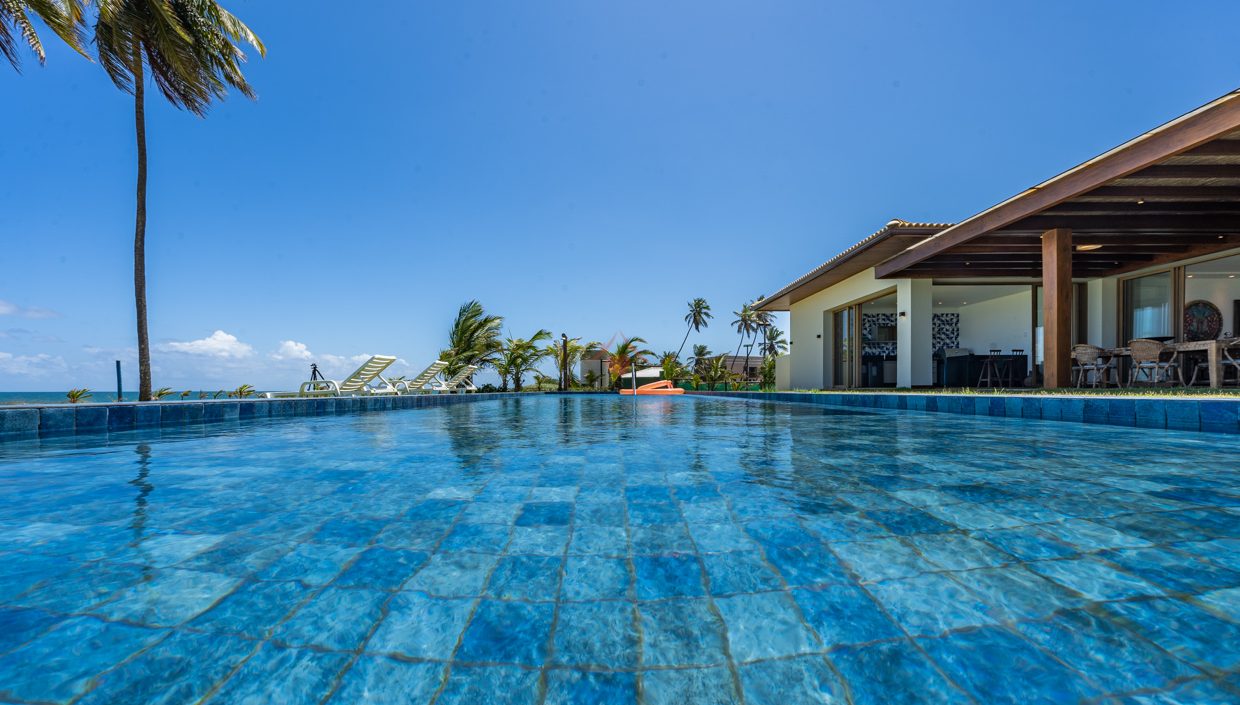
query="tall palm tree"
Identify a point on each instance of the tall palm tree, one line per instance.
(627, 354)
(696, 319)
(775, 343)
(576, 351)
(520, 356)
(745, 325)
(701, 355)
(762, 320)
(191, 50)
(63, 17)
(474, 338)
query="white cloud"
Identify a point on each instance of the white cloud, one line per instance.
(292, 350)
(37, 365)
(218, 345)
(8, 308)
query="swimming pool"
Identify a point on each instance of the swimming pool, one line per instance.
(601, 550)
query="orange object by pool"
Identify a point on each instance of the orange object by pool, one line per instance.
(663, 386)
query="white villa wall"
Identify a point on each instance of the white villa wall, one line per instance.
(1001, 323)
(783, 372)
(809, 354)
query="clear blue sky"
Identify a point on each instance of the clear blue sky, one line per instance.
(402, 161)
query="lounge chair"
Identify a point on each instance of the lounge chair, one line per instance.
(418, 384)
(355, 384)
(459, 382)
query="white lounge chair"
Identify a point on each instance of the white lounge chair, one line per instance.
(418, 384)
(459, 382)
(355, 384)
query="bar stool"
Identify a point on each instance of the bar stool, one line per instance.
(1012, 370)
(991, 374)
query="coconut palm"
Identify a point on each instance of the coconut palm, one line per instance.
(696, 319)
(576, 351)
(190, 48)
(519, 357)
(716, 371)
(63, 17)
(474, 338)
(625, 355)
(745, 324)
(701, 355)
(775, 344)
(672, 369)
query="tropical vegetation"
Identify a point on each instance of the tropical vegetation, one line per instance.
(64, 17)
(696, 319)
(474, 339)
(76, 396)
(627, 354)
(519, 357)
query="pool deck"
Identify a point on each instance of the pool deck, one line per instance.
(1170, 413)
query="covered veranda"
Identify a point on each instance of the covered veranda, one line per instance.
(1142, 242)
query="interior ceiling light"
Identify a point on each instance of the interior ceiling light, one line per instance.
(1140, 201)
(1190, 276)
(1088, 248)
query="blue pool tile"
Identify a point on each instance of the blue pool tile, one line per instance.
(253, 609)
(19, 421)
(1027, 543)
(894, 672)
(507, 632)
(909, 521)
(377, 680)
(305, 677)
(804, 680)
(1072, 409)
(382, 568)
(780, 532)
(600, 634)
(526, 578)
(221, 411)
(600, 514)
(1013, 407)
(538, 540)
(179, 669)
(930, 604)
(1031, 408)
(881, 559)
(83, 588)
(1151, 413)
(169, 598)
(668, 576)
(90, 418)
(1173, 569)
(480, 538)
(765, 625)
(599, 540)
(1220, 416)
(424, 535)
(655, 539)
(595, 578)
(312, 564)
(59, 665)
(738, 572)
(1188, 632)
(453, 574)
(983, 661)
(1114, 659)
(568, 687)
(56, 421)
(1094, 579)
(336, 619)
(680, 633)
(843, 526)
(121, 417)
(1012, 592)
(435, 509)
(1095, 411)
(18, 626)
(720, 537)
(958, 552)
(420, 626)
(844, 614)
(545, 514)
(348, 531)
(806, 565)
(490, 684)
(690, 685)
(1121, 412)
(1183, 414)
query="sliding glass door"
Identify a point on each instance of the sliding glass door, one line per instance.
(844, 348)
(1147, 307)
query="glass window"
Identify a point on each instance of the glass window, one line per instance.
(1147, 307)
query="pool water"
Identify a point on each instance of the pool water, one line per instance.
(602, 550)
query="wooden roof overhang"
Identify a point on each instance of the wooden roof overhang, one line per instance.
(1170, 194)
(893, 238)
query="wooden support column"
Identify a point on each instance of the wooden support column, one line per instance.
(1057, 308)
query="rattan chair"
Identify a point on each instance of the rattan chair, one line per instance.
(1092, 367)
(1231, 351)
(1147, 357)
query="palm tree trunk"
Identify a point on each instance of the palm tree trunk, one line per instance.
(738, 350)
(682, 343)
(139, 236)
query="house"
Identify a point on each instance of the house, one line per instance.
(1142, 241)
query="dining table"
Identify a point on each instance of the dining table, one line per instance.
(1212, 348)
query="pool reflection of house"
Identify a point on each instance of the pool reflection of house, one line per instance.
(1140, 242)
